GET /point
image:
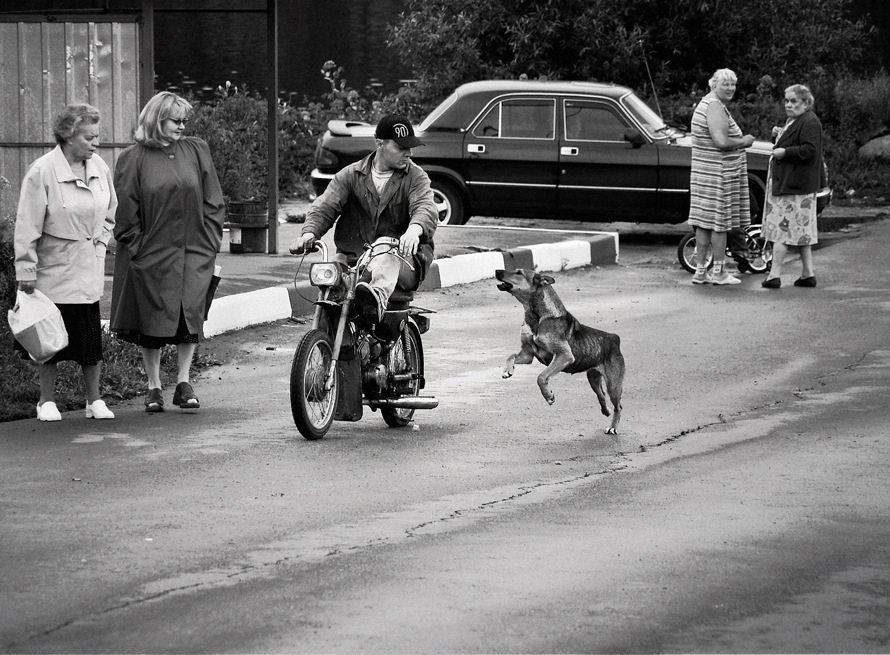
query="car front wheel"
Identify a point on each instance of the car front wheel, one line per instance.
(449, 203)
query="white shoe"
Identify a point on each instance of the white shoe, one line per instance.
(98, 409)
(725, 278)
(48, 412)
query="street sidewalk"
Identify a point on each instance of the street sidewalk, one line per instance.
(259, 287)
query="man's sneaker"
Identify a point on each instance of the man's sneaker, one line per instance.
(369, 301)
(701, 277)
(724, 278)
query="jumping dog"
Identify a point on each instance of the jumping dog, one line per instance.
(558, 340)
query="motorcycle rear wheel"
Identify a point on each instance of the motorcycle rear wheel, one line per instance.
(313, 397)
(404, 358)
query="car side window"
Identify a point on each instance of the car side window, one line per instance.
(592, 121)
(518, 119)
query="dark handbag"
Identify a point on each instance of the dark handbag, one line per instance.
(211, 291)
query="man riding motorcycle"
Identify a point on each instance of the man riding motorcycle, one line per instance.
(381, 199)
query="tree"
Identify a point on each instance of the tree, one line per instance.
(449, 42)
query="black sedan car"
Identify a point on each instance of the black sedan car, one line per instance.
(567, 150)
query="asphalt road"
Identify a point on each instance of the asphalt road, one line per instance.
(743, 507)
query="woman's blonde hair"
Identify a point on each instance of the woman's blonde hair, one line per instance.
(720, 75)
(161, 107)
(71, 119)
(803, 92)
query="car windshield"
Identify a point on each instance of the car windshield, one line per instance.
(650, 121)
(438, 111)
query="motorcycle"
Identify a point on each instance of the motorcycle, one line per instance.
(348, 360)
(754, 254)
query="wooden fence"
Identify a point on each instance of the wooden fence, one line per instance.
(45, 65)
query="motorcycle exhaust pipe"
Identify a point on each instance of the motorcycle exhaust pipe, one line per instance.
(408, 402)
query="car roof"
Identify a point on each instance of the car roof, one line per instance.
(469, 99)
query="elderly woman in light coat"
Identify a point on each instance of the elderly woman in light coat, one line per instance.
(64, 221)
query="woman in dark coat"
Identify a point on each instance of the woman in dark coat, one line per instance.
(168, 227)
(795, 175)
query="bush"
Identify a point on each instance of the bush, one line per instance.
(235, 126)
(852, 111)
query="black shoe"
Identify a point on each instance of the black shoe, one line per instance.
(154, 402)
(368, 301)
(185, 397)
(805, 281)
(772, 283)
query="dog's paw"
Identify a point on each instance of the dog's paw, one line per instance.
(612, 431)
(508, 373)
(550, 398)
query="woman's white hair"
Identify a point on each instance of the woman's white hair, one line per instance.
(802, 91)
(720, 75)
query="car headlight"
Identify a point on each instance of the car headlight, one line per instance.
(325, 274)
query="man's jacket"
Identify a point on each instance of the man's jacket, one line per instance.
(364, 216)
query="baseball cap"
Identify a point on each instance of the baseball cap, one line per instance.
(398, 128)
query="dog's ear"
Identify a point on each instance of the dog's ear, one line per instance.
(544, 279)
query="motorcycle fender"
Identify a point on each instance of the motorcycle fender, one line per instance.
(349, 400)
(413, 326)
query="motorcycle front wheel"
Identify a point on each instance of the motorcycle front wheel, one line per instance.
(405, 366)
(313, 395)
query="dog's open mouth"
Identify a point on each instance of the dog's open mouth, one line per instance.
(505, 286)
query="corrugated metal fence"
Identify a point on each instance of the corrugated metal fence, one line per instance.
(46, 65)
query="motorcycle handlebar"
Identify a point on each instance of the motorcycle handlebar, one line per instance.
(317, 246)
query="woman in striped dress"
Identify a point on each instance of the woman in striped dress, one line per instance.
(718, 183)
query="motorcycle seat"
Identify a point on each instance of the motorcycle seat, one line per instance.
(400, 299)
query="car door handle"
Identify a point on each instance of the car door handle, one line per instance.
(477, 148)
(569, 151)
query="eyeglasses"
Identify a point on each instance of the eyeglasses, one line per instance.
(182, 122)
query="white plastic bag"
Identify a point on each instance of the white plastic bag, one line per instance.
(37, 324)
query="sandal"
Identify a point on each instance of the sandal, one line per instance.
(185, 397)
(154, 402)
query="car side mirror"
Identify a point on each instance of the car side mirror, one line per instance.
(634, 137)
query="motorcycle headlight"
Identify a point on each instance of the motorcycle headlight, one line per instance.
(325, 274)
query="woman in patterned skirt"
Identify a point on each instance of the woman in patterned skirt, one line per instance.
(718, 182)
(795, 175)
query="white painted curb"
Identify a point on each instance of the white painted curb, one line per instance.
(473, 267)
(561, 256)
(240, 310)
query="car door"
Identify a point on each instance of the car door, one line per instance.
(603, 175)
(510, 156)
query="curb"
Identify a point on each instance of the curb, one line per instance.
(240, 310)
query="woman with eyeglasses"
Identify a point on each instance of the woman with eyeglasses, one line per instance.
(169, 227)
